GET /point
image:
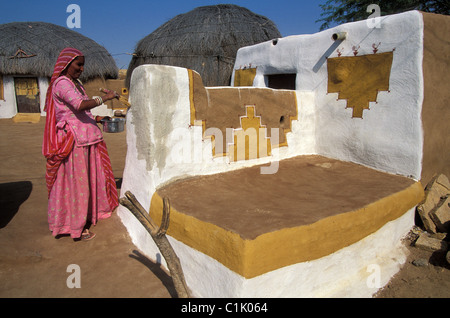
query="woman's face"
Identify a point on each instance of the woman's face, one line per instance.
(76, 67)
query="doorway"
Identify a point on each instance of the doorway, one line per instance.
(27, 94)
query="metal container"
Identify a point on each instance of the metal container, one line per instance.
(113, 125)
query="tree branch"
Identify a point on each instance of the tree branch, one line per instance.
(158, 235)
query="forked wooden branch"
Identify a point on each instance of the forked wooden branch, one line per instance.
(158, 235)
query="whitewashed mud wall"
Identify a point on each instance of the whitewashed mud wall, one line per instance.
(162, 146)
(389, 137)
(8, 106)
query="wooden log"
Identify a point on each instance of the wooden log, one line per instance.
(158, 235)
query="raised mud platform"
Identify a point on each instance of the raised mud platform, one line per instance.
(237, 229)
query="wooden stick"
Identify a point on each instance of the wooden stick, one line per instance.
(159, 237)
(120, 97)
(165, 218)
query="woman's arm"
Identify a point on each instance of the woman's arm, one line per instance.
(67, 91)
(92, 103)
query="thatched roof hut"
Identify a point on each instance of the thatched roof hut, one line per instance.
(205, 39)
(32, 48)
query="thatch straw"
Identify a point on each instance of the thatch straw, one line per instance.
(205, 39)
(43, 42)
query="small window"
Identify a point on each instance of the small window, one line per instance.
(282, 81)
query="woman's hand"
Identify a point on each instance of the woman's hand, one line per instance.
(109, 95)
(92, 103)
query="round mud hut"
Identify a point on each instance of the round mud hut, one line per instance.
(205, 39)
(28, 53)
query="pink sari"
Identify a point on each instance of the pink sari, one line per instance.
(79, 176)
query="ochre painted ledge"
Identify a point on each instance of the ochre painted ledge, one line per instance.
(290, 245)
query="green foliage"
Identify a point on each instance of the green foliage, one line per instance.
(342, 11)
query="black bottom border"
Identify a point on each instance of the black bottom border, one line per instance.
(222, 306)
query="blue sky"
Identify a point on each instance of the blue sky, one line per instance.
(119, 25)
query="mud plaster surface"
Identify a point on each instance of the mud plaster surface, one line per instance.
(304, 190)
(435, 109)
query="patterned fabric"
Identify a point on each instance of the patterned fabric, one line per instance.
(56, 150)
(80, 182)
(79, 193)
(81, 122)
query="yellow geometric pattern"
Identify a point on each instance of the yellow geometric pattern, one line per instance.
(358, 79)
(219, 111)
(244, 77)
(250, 141)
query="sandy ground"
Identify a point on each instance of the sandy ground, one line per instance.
(35, 264)
(32, 262)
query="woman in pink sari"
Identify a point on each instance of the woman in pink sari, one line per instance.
(80, 182)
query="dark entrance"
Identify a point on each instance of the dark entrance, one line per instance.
(282, 81)
(27, 94)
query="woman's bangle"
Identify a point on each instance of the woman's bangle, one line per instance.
(98, 100)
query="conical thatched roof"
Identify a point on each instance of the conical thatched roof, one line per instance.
(206, 40)
(32, 48)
